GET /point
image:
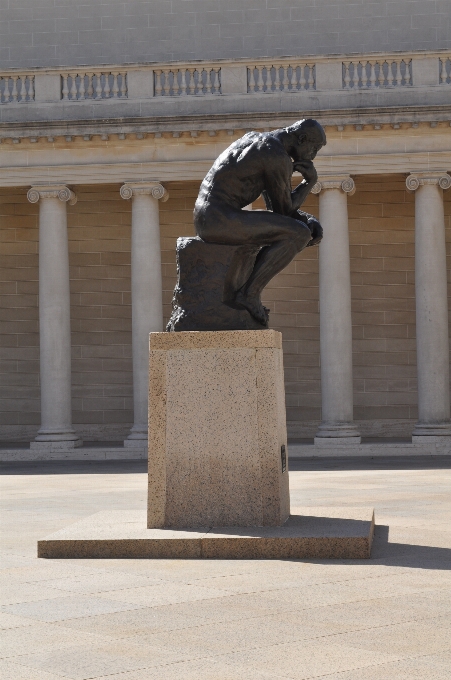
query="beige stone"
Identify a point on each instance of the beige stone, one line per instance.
(217, 427)
(315, 533)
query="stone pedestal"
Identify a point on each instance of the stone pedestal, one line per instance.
(205, 284)
(218, 465)
(217, 430)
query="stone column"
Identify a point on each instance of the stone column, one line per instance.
(431, 306)
(147, 303)
(56, 430)
(337, 426)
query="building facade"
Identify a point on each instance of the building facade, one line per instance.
(110, 116)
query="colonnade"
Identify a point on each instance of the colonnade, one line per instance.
(337, 426)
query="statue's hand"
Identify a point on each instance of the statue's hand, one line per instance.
(317, 231)
(307, 170)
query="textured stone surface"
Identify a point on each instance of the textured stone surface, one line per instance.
(202, 285)
(216, 340)
(226, 619)
(216, 428)
(219, 30)
(323, 533)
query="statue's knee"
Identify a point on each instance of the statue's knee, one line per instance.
(303, 236)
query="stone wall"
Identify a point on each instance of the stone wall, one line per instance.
(381, 221)
(112, 32)
(19, 325)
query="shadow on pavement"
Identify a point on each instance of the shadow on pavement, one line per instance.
(121, 467)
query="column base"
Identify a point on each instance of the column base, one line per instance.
(137, 437)
(429, 432)
(337, 434)
(56, 439)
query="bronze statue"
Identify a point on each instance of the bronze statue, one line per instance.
(257, 163)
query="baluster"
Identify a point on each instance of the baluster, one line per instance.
(407, 76)
(390, 74)
(15, 91)
(31, 88)
(115, 88)
(396, 73)
(277, 82)
(191, 85)
(157, 82)
(197, 82)
(311, 78)
(26, 89)
(65, 86)
(90, 89)
(121, 83)
(347, 75)
(167, 84)
(83, 93)
(183, 82)
(363, 76)
(373, 73)
(302, 80)
(6, 95)
(107, 86)
(249, 80)
(175, 82)
(286, 77)
(218, 81)
(98, 88)
(381, 76)
(21, 93)
(443, 74)
(73, 85)
(259, 87)
(2, 89)
(208, 82)
(215, 81)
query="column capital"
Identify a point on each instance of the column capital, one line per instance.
(417, 179)
(154, 189)
(60, 191)
(343, 182)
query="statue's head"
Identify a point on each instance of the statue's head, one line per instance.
(304, 139)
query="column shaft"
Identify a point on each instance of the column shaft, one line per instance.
(54, 319)
(431, 311)
(147, 303)
(335, 317)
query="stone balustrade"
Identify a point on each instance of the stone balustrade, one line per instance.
(373, 73)
(327, 77)
(174, 82)
(16, 88)
(80, 85)
(281, 77)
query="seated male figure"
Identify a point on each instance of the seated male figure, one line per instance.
(255, 164)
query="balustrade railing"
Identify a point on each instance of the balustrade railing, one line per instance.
(281, 77)
(445, 70)
(16, 88)
(372, 73)
(174, 82)
(80, 85)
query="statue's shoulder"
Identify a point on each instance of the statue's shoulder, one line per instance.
(270, 146)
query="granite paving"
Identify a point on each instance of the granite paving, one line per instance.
(388, 617)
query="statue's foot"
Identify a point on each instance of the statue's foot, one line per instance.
(253, 306)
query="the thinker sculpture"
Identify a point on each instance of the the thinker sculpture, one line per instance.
(261, 242)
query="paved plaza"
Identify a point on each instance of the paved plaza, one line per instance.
(387, 618)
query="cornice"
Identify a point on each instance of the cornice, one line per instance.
(362, 119)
